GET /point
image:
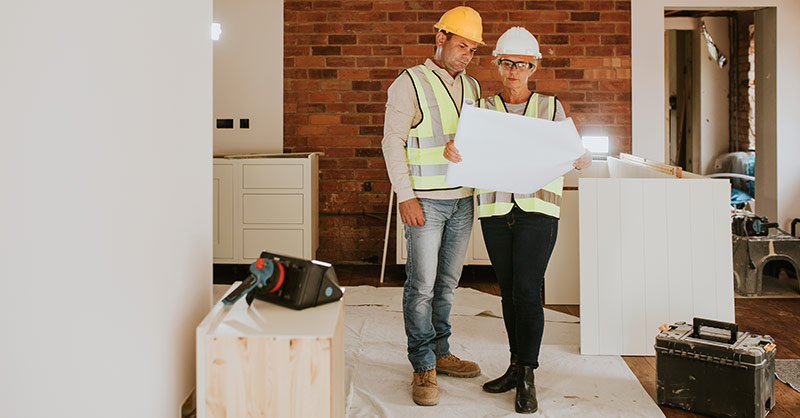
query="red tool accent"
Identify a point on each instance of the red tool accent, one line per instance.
(281, 275)
(260, 263)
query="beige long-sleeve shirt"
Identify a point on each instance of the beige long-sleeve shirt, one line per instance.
(402, 112)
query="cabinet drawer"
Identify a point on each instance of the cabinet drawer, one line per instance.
(263, 176)
(279, 241)
(272, 209)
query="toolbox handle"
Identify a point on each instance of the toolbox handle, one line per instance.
(698, 322)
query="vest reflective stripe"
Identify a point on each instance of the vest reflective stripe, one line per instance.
(546, 200)
(426, 140)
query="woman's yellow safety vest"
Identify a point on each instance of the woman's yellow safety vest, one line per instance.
(426, 140)
(546, 200)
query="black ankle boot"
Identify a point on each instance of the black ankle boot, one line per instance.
(505, 382)
(526, 391)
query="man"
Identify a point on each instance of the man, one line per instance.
(421, 117)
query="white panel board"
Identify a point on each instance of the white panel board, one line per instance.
(609, 271)
(588, 220)
(679, 256)
(653, 251)
(704, 293)
(723, 253)
(656, 256)
(632, 231)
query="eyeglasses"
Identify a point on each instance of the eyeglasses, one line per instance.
(520, 65)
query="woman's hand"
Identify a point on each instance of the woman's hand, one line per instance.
(452, 155)
(584, 161)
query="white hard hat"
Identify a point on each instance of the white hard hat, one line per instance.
(517, 41)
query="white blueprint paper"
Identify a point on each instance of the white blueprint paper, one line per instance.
(511, 153)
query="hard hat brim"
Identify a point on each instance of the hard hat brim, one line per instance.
(446, 29)
(518, 56)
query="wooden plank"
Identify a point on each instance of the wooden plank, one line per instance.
(588, 243)
(310, 373)
(672, 170)
(656, 256)
(680, 254)
(271, 377)
(609, 269)
(400, 248)
(632, 230)
(243, 377)
(628, 169)
(701, 242)
(337, 400)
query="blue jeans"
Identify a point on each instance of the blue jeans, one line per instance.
(436, 253)
(520, 244)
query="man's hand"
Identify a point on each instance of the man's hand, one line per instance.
(451, 152)
(584, 161)
(411, 213)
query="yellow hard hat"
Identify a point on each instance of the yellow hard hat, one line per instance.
(462, 21)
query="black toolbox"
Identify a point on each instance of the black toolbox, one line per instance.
(710, 368)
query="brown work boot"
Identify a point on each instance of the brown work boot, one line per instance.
(454, 366)
(425, 391)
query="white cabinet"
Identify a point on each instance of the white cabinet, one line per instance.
(269, 202)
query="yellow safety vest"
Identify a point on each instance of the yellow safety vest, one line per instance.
(546, 200)
(426, 140)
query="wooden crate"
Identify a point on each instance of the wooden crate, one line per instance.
(271, 361)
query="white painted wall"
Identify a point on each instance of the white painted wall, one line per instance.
(106, 205)
(248, 76)
(766, 116)
(714, 88)
(647, 65)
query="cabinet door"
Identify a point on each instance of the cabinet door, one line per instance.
(562, 279)
(223, 211)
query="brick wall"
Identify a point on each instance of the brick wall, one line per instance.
(341, 56)
(741, 124)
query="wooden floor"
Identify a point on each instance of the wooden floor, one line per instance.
(779, 318)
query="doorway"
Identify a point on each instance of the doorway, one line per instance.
(719, 101)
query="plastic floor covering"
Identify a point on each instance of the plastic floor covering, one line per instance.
(378, 374)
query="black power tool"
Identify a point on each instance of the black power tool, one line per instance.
(287, 281)
(751, 226)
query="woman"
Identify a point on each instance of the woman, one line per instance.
(520, 230)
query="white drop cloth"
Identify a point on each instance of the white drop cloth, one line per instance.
(378, 376)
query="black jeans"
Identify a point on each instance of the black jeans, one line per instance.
(519, 245)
